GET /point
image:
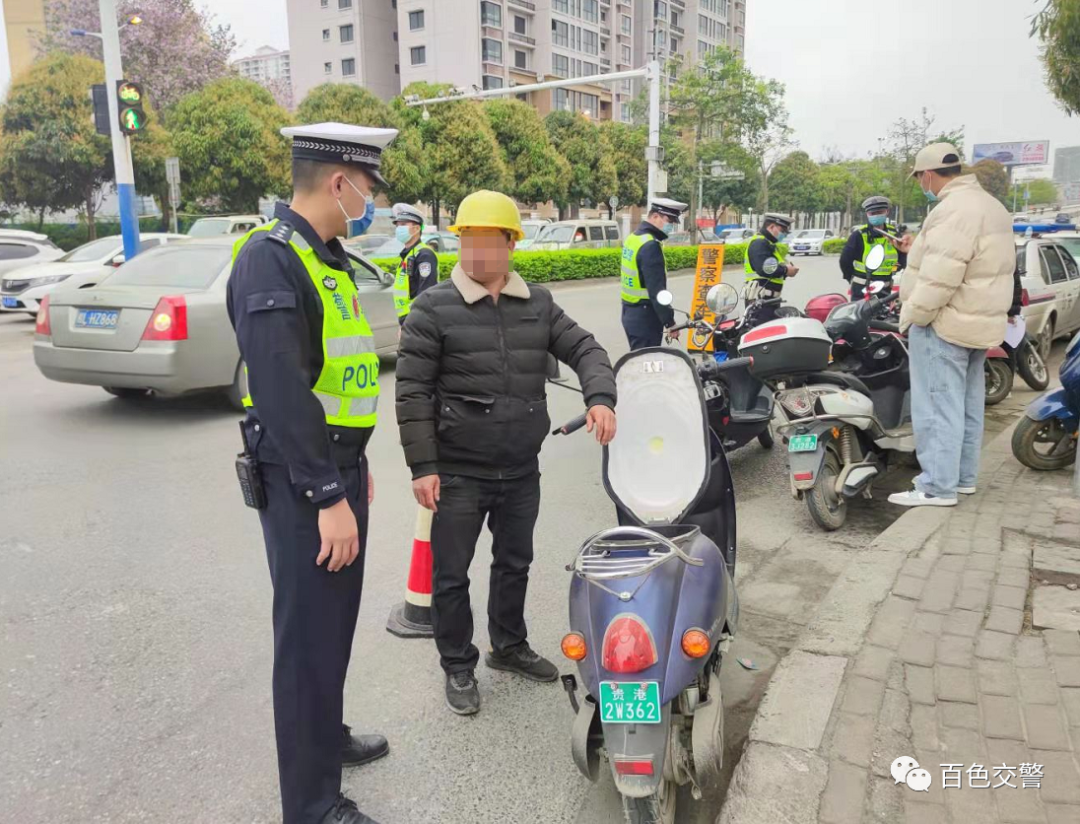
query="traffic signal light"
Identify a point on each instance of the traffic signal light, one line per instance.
(101, 109)
(129, 98)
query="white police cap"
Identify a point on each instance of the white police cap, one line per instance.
(341, 143)
(405, 212)
(668, 208)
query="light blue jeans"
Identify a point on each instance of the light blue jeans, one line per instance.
(948, 397)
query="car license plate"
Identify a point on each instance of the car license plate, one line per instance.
(97, 318)
(630, 702)
(802, 248)
(803, 443)
(11, 303)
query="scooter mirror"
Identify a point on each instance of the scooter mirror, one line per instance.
(770, 266)
(722, 299)
(665, 298)
(875, 258)
(876, 288)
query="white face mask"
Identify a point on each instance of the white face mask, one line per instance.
(356, 226)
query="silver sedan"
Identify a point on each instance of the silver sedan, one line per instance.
(159, 324)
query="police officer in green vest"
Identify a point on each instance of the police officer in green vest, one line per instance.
(765, 268)
(876, 232)
(313, 379)
(644, 275)
(419, 267)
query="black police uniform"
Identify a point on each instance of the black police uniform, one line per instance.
(853, 252)
(644, 322)
(306, 466)
(423, 270)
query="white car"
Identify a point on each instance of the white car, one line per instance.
(736, 235)
(19, 248)
(809, 241)
(82, 267)
(225, 225)
(1051, 279)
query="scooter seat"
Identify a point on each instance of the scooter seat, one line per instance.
(842, 379)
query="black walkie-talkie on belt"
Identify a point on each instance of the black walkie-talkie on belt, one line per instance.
(247, 471)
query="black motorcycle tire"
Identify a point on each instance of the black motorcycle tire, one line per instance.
(999, 380)
(1029, 433)
(828, 514)
(1031, 366)
(766, 439)
(658, 808)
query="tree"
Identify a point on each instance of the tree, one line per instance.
(993, 177)
(795, 184)
(1043, 191)
(592, 170)
(50, 156)
(906, 138)
(228, 134)
(1058, 27)
(626, 145)
(538, 173)
(176, 49)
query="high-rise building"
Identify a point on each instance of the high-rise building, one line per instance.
(688, 29)
(1067, 165)
(499, 43)
(23, 19)
(344, 41)
(266, 64)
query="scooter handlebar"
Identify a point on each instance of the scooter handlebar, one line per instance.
(573, 426)
(710, 370)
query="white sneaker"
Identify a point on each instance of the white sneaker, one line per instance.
(915, 498)
(967, 490)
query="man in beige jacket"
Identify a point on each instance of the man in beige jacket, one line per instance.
(955, 298)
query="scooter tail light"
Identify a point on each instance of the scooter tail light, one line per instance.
(804, 476)
(1025, 298)
(573, 646)
(628, 646)
(633, 766)
(763, 333)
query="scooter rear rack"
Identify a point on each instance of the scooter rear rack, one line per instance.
(602, 558)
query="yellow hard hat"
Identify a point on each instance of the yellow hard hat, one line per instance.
(488, 210)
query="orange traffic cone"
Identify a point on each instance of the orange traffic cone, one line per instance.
(412, 618)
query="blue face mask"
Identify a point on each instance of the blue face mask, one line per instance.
(669, 228)
(878, 220)
(356, 226)
(403, 234)
(781, 237)
(933, 198)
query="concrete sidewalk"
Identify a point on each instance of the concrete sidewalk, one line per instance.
(952, 640)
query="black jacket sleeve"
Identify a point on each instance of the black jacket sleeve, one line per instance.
(760, 251)
(419, 355)
(1018, 294)
(579, 350)
(653, 273)
(424, 272)
(272, 332)
(853, 250)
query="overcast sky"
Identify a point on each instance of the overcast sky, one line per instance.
(853, 67)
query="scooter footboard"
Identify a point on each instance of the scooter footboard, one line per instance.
(805, 464)
(637, 753)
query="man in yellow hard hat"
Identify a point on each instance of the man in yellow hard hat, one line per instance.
(472, 411)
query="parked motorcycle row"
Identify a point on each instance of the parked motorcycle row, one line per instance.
(653, 606)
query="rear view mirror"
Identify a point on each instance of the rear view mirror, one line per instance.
(875, 288)
(722, 299)
(664, 298)
(770, 266)
(875, 258)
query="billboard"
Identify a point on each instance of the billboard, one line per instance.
(1034, 153)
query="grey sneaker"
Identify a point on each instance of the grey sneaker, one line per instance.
(462, 694)
(525, 662)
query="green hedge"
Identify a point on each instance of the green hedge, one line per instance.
(546, 267)
(834, 246)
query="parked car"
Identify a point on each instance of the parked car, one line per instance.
(225, 225)
(1063, 217)
(19, 248)
(82, 267)
(737, 235)
(809, 241)
(578, 234)
(1049, 264)
(159, 324)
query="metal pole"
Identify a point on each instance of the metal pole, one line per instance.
(654, 127)
(700, 191)
(125, 176)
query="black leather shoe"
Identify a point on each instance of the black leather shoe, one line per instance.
(345, 812)
(525, 662)
(357, 750)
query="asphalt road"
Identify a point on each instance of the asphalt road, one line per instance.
(135, 609)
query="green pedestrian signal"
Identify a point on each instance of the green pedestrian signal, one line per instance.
(130, 98)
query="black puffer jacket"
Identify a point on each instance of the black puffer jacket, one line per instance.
(471, 376)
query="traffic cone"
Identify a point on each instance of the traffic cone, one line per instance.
(412, 618)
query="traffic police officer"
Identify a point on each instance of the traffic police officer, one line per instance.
(644, 275)
(865, 238)
(763, 282)
(313, 391)
(419, 267)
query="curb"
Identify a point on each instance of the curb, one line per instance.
(781, 774)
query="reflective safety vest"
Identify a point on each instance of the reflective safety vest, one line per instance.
(892, 257)
(751, 275)
(633, 291)
(348, 386)
(402, 299)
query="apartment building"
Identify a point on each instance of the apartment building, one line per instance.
(1067, 165)
(266, 64)
(344, 41)
(494, 44)
(689, 29)
(23, 20)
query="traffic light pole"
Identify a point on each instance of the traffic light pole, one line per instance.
(125, 175)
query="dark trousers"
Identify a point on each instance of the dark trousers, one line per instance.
(511, 508)
(643, 328)
(314, 620)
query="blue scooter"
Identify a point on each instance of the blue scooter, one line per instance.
(653, 607)
(1046, 436)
